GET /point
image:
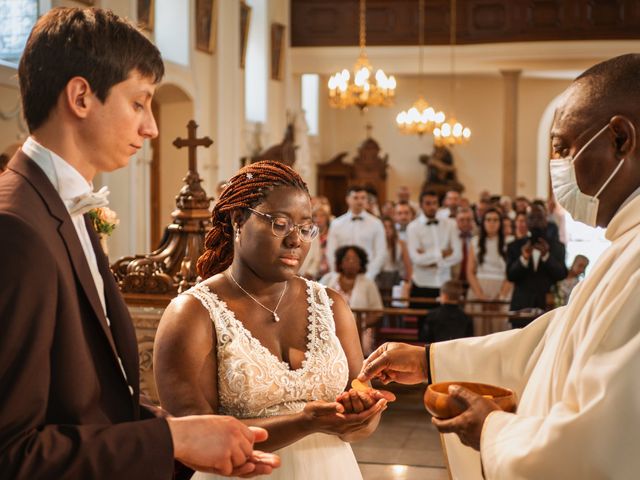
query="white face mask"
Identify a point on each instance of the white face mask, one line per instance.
(582, 207)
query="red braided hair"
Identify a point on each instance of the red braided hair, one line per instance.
(245, 189)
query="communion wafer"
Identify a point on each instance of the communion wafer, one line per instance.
(359, 386)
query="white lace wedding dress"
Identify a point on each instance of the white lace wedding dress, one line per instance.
(252, 383)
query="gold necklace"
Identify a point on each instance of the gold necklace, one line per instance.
(276, 318)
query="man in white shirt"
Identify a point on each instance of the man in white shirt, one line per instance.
(70, 404)
(450, 205)
(358, 227)
(574, 370)
(403, 194)
(434, 247)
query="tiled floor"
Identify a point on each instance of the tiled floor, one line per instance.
(405, 446)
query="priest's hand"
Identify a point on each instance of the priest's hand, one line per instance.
(395, 362)
(467, 425)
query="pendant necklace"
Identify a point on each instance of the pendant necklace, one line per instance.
(276, 318)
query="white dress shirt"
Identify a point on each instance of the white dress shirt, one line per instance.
(363, 230)
(69, 184)
(425, 243)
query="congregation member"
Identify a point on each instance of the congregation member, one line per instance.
(506, 204)
(535, 263)
(70, 406)
(487, 274)
(316, 264)
(361, 228)
(255, 341)
(403, 215)
(574, 370)
(450, 205)
(575, 275)
(403, 195)
(434, 247)
(520, 227)
(356, 288)
(521, 205)
(448, 321)
(397, 268)
(466, 229)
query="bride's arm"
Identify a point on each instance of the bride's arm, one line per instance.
(347, 333)
(185, 365)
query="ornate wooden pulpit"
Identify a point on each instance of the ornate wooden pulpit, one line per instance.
(149, 281)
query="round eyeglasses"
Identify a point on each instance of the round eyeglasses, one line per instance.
(283, 226)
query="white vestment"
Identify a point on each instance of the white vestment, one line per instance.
(576, 372)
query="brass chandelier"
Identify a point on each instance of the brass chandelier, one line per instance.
(451, 132)
(362, 92)
(420, 118)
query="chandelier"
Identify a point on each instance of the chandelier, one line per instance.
(451, 132)
(420, 118)
(362, 92)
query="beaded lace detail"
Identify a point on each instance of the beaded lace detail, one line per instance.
(253, 382)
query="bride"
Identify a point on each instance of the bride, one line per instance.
(257, 342)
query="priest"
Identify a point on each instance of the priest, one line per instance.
(574, 369)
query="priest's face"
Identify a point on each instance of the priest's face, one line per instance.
(115, 130)
(270, 257)
(576, 121)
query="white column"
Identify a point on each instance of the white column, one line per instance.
(230, 90)
(510, 132)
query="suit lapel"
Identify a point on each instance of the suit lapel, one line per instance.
(121, 325)
(28, 169)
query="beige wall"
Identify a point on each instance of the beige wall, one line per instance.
(10, 129)
(479, 105)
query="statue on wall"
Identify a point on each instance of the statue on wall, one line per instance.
(284, 151)
(441, 172)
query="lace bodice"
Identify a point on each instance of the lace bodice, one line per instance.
(252, 382)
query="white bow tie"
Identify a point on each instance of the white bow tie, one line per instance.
(83, 203)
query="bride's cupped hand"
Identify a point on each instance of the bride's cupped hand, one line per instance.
(332, 418)
(355, 401)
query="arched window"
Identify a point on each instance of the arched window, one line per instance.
(16, 20)
(255, 70)
(172, 30)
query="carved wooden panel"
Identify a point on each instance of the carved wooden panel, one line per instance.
(395, 22)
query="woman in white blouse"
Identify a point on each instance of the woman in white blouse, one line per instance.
(357, 289)
(486, 272)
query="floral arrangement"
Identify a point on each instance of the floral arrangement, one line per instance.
(104, 220)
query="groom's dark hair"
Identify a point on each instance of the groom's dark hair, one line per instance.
(91, 43)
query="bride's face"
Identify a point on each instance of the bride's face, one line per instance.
(268, 256)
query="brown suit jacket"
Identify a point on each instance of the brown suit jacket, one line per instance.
(66, 410)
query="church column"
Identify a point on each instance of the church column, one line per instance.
(509, 137)
(230, 90)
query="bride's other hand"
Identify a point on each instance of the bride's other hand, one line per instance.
(355, 401)
(331, 418)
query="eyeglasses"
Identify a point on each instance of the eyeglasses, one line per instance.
(282, 226)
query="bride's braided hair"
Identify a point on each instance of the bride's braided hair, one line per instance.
(247, 188)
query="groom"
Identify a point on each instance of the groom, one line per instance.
(69, 406)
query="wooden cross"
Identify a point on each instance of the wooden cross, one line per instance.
(191, 142)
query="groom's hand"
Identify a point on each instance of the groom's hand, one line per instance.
(396, 362)
(221, 445)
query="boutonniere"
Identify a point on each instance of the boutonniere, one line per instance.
(104, 220)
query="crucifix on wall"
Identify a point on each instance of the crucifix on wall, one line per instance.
(191, 142)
